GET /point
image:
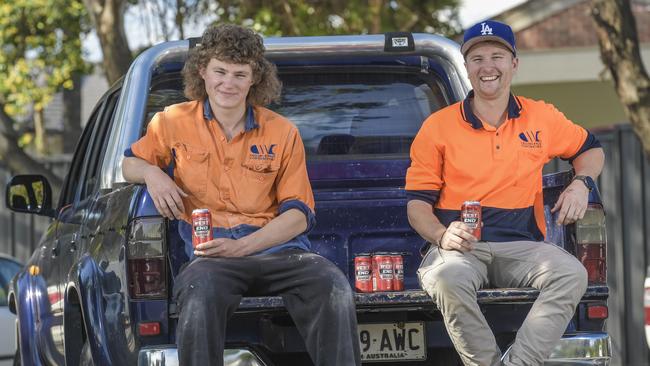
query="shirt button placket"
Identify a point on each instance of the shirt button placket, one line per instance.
(497, 143)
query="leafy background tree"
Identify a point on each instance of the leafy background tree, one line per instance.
(304, 17)
(300, 17)
(40, 53)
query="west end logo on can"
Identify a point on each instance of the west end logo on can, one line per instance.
(262, 152)
(530, 139)
(470, 219)
(201, 228)
(363, 274)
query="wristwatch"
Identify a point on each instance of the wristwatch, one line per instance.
(587, 180)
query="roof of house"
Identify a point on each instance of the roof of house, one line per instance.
(550, 24)
(530, 12)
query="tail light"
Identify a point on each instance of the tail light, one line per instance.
(595, 311)
(591, 241)
(146, 263)
(149, 328)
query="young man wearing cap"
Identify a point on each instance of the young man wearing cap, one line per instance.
(491, 147)
(246, 165)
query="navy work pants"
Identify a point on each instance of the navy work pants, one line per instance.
(315, 292)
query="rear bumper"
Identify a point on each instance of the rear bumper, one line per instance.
(166, 355)
(583, 349)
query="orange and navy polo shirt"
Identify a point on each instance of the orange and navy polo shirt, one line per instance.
(455, 157)
(248, 180)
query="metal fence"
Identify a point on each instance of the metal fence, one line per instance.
(625, 188)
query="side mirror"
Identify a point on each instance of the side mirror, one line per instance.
(29, 194)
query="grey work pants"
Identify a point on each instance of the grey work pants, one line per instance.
(452, 278)
(316, 293)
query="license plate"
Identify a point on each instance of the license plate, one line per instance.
(392, 342)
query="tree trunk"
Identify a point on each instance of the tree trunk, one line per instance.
(619, 50)
(39, 132)
(287, 22)
(16, 159)
(180, 18)
(108, 18)
(374, 12)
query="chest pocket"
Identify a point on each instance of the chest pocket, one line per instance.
(259, 171)
(257, 191)
(530, 162)
(192, 166)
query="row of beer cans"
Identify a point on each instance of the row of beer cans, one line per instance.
(379, 272)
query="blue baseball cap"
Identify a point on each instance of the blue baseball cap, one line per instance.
(489, 30)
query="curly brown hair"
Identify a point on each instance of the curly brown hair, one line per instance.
(238, 45)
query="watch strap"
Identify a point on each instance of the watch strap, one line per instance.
(584, 179)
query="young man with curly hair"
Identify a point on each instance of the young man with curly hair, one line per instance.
(246, 164)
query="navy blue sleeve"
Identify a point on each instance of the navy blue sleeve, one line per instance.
(590, 143)
(299, 205)
(426, 196)
(128, 153)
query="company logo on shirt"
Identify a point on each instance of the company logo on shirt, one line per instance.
(530, 139)
(262, 152)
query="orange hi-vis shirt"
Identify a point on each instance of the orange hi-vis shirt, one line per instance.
(455, 157)
(249, 180)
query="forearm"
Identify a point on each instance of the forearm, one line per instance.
(281, 229)
(425, 223)
(134, 169)
(589, 162)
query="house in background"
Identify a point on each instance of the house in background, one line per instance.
(560, 58)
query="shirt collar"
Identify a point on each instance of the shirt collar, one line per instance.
(251, 123)
(514, 110)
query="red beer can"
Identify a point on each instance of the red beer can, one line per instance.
(398, 271)
(201, 226)
(363, 272)
(470, 214)
(382, 272)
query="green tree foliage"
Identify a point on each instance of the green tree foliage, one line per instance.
(308, 17)
(40, 51)
(305, 17)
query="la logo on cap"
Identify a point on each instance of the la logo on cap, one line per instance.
(485, 29)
